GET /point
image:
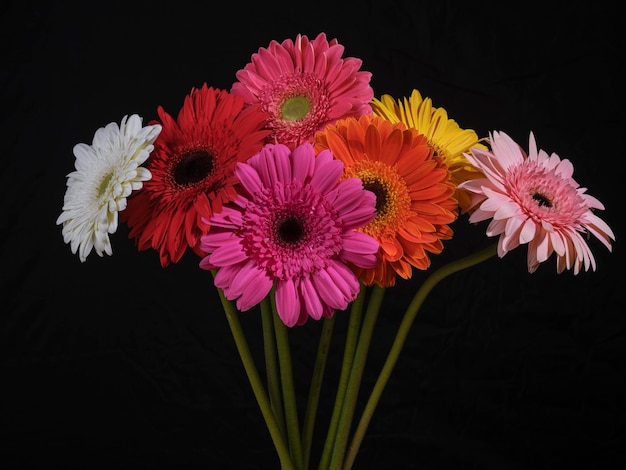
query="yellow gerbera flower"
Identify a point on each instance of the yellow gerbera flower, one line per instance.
(448, 140)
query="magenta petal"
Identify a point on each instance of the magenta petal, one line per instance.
(311, 299)
(224, 276)
(344, 280)
(327, 172)
(228, 218)
(206, 264)
(249, 178)
(256, 290)
(360, 249)
(303, 162)
(324, 285)
(268, 159)
(229, 253)
(248, 271)
(360, 243)
(287, 302)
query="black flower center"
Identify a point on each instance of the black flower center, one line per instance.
(379, 192)
(290, 230)
(193, 167)
(542, 201)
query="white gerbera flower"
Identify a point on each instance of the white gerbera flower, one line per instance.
(107, 172)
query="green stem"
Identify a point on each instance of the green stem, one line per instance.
(400, 338)
(348, 356)
(356, 376)
(273, 380)
(316, 387)
(256, 383)
(289, 393)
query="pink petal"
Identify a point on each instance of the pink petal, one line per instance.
(303, 163)
(327, 172)
(310, 299)
(247, 278)
(360, 249)
(287, 302)
(249, 178)
(257, 289)
(267, 160)
(345, 279)
(229, 253)
(224, 276)
(529, 229)
(323, 283)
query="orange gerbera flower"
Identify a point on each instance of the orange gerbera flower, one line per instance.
(414, 194)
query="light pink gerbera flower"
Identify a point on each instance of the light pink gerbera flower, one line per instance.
(293, 226)
(534, 199)
(304, 85)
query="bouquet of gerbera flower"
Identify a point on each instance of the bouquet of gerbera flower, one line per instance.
(307, 196)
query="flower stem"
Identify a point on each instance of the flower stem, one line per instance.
(356, 375)
(273, 380)
(316, 386)
(400, 338)
(348, 356)
(289, 393)
(256, 383)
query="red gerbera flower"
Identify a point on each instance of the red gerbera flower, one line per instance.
(192, 168)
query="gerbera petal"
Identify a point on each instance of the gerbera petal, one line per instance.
(287, 302)
(327, 172)
(230, 253)
(330, 295)
(528, 231)
(256, 289)
(249, 178)
(311, 302)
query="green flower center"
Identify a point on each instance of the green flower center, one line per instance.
(104, 184)
(295, 108)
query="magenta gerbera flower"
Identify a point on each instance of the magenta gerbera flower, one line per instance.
(304, 85)
(533, 198)
(293, 226)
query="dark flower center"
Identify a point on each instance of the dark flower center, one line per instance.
(379, 192)
(193, 167)
(542, 201)
(290, 230)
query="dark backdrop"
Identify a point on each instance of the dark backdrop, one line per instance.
(118, 363)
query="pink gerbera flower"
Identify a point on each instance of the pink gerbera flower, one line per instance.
(293, 226)
(304, 85)
(534, 199)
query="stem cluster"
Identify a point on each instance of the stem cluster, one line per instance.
(277, 398)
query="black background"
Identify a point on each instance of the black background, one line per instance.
(118, 363)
